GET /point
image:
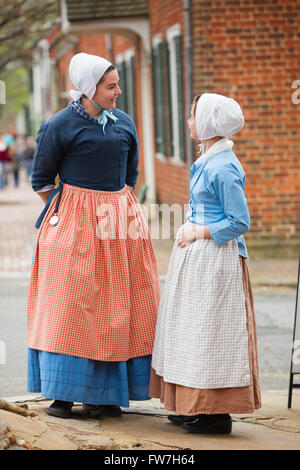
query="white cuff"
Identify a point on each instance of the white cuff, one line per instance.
(48, 187)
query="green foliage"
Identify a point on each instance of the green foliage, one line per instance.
(17, 87)
(22, 24)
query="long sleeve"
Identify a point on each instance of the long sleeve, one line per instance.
(47, 156)
(228, 186)
(132, 160)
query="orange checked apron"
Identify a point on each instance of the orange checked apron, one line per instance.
(94, 288)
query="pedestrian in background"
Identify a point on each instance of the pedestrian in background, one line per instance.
(15, 163)
(5, 160)
(20, 145)
(205, 362)
(28, 155)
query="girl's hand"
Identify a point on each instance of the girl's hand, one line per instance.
(186, 235)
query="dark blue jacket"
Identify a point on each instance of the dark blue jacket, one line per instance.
(77, 150)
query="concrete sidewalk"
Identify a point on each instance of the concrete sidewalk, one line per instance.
(144, 426)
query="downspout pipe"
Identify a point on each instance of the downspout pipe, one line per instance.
(65, 25)
(187, 5)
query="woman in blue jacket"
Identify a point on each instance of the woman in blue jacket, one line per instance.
(94, 287)
(204, 363)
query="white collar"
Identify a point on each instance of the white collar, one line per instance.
(221, 145)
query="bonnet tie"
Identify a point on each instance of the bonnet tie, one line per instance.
(103, 116)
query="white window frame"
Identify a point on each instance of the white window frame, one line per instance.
(128, 55)
(172, 33)
(125, 57)
(119, 59)
(157, 39)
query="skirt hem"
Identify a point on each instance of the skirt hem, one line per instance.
(207, 411)
(90, 402)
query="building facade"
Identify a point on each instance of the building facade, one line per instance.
(167, 51)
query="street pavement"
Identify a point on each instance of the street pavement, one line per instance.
(144, 426)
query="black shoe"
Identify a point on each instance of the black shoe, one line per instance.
(210, 424)
(60, 409)
(180, 419)
(99, 411)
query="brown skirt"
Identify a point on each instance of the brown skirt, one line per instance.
(192, 401)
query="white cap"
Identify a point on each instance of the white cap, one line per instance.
(217, 115)
(85, 71)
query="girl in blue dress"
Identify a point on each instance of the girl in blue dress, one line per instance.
(205, 353)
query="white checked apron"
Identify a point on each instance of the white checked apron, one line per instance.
(201, 335)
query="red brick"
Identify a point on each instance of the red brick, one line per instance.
(261, 62)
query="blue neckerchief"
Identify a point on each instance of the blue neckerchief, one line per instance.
(103, 116)
(77, 106)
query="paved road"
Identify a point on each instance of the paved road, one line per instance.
(274, 316)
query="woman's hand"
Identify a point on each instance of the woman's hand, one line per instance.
(186, 235)
(189, 232)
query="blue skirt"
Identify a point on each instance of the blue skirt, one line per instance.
(76, 379)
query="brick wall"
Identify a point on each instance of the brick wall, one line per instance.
(93, 43)
(120, 44)
(163, 14)
(250, 50)
(89, 43)
(64, 82)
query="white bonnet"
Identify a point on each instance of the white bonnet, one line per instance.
(217, 115)
(85, 71)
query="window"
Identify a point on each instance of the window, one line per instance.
(130, 76)
(158, 95)
(175, 94)
(122, 99)
(126, 69)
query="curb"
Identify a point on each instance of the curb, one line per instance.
(274, 284)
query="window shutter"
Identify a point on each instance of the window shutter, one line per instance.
(161, 121)
(122, 99)
(159, 99)
(170, 110)
(132, 84)
(154, 87)
(181, 117)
